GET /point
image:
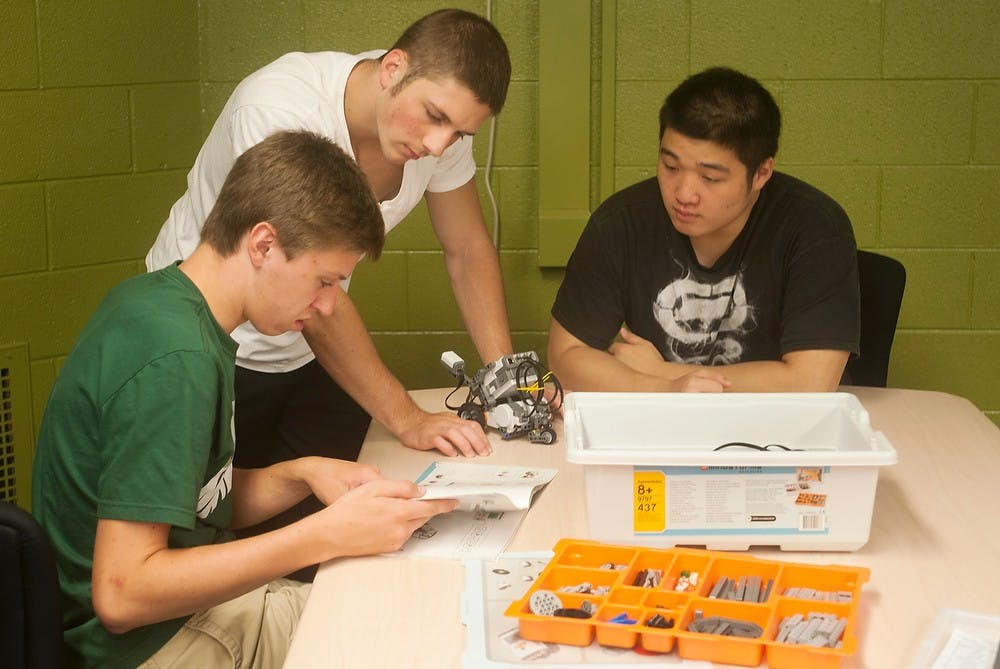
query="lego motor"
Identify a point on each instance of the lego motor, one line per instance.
(508, 395)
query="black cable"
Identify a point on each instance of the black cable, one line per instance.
(522, 374)
(537, 397)
(557, 399)
(756, 447)
(461, 382)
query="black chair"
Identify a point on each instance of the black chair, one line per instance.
(882, 280)
(30, 609)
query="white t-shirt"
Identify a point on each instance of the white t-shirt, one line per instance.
(299, 91)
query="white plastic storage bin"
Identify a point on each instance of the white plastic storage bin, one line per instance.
(652, 475)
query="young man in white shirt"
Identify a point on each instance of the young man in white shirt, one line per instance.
(406, 116)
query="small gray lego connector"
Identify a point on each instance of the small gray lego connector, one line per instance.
(838, 631)
(829, 623)
(816, 629)
(812, 627)
(767, 590)
(719, 588)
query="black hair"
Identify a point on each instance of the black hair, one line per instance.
(729, 108)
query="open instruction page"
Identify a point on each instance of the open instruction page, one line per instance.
(486, 487)
(493, 502)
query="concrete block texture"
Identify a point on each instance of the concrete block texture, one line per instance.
(334, 25)
(926, 39)
(167, 123)
(431, 303)
(938, 288)
(106, 219)
(986, 289)
(378, 291)
(788, 39)
(18, 50)
(117, 42)
(958, 362)
(67, 132)
(238, 37)
(877, 122)
(986, 142)
(653, 39)
(516, 189)
(22, 206)
(940, 206)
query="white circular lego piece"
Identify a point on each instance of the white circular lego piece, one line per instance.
(544, 603)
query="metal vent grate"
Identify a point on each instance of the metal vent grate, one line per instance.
(8, 478)
(16, 437)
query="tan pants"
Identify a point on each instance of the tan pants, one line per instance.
(250, 632)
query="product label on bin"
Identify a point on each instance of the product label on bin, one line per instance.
(730, 500)
(648, 505)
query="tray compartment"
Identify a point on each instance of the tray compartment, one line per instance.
(834, 580)
(615, 634)
(744, 576)
(782, 655)
(554, 629)
(718, 648)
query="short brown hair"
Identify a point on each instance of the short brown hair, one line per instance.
(304, 185)
(459, 44)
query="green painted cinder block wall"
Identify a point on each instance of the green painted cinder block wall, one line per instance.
(893, 107)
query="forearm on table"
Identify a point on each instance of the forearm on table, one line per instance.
(800, 371)
(583, 368)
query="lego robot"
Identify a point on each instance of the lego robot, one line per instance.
(507, 395)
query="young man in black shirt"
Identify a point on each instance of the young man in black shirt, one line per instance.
(719, 273)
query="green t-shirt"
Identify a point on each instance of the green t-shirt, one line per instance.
(139, 427)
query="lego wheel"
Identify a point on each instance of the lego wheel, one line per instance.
(474, 412)
(548, 436)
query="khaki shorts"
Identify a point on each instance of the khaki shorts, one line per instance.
(250, 632)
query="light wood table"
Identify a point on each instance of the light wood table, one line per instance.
(935, 543)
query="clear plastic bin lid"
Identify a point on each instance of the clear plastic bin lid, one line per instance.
(748, 429)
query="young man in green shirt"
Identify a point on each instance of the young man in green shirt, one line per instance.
(133, 477)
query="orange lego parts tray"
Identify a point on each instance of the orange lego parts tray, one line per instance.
(709, 605)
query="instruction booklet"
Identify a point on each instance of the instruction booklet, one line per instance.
(486, 487)
(493, 501)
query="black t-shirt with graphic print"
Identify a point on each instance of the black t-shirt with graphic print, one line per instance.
(789, 281)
